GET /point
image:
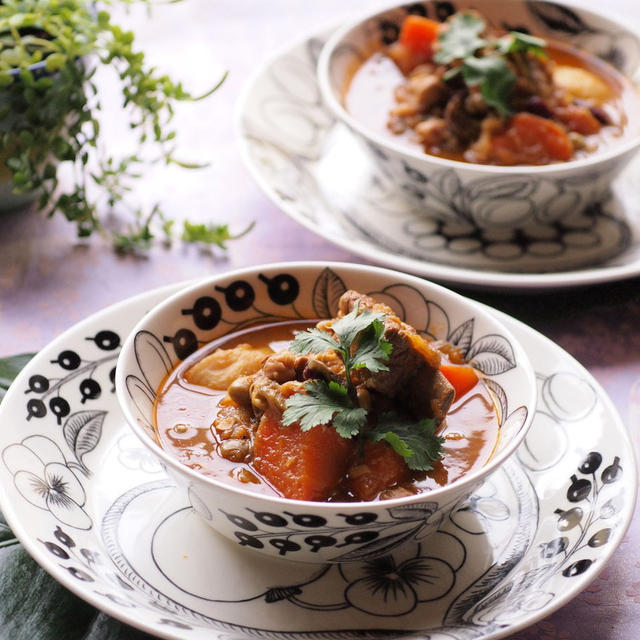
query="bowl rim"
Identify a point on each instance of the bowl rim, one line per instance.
(368, 133)
(468, 480)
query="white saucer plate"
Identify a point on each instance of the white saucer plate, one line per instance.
(100, 515)
(318, 174)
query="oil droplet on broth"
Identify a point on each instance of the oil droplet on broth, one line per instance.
(243, 475)
(182, 431)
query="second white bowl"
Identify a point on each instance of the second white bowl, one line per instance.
(489, 197)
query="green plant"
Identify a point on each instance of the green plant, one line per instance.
(49, 107)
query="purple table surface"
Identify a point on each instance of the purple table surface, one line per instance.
(49, 281)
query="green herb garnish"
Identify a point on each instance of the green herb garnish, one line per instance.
(325, 404)
(460, 43)
(515, 42)
(495, 79)
(416, 442)
(461, 38)
(360, 344)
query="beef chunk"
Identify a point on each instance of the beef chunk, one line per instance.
(414, 365)
(421, 92)
(463, 126)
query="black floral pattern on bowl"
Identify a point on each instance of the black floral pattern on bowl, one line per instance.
(490, 354)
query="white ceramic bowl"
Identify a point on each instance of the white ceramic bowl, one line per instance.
(316, 531)
(489, 196)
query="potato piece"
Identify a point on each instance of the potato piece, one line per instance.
(220, 368)
(582, 84)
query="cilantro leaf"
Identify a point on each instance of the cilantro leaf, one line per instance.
(348, 327)
(333, 403)
(461, 38)
(372, 351)
(313, 341)
(349, 422)
(515, 42)
(416, 442)
(495, 78)
(325, 404)
(360, 341)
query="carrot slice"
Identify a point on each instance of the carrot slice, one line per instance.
(419, 33)
(303, 465)
(531, 139)
(380, 469)
(461, 376)
(578, 119)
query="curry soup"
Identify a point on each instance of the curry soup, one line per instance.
(565, 104)
(186, 412)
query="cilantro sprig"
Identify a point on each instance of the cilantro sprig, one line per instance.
(495, 79)
(515, 42)
(324, 403)
(359, 343)
(460, 45)
(461, 38)
(416, 442)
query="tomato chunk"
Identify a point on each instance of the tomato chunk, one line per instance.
(380, 469)
(302, 465)
(461, 376)
(530, 139)
(418, 34)
(578, 119)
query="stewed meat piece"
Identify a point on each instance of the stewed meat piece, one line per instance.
(413, 374)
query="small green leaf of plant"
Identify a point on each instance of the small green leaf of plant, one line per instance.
(515, 41)
(10, 368)
(324, 404)
(55, 62)
(495, 78)
(461, 38)
(313, 341)
(210, 233)
(416, 442)
(349, 326)
(372, 351)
